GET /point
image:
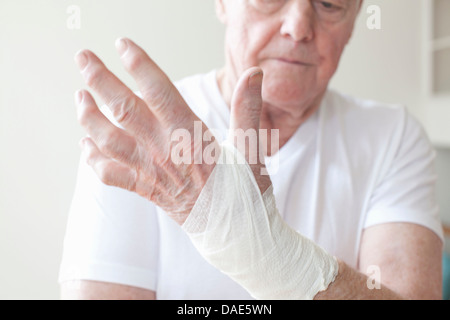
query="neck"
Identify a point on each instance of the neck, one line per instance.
(287, 119)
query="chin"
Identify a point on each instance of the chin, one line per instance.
(284, 94)
(291, 93)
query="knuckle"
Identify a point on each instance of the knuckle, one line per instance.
(124, 107)
(135, 62)
(159, 97)
(85, 115)
(108, 142)
(105, 172)
(113, 137)
(94, 76)
(89, 159)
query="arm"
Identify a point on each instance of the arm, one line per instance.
(95, 290)
(408, 256)
(409, 259)
(139, 160)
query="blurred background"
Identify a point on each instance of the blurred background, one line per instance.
(405, 61)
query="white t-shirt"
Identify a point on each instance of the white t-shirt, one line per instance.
(351, 165)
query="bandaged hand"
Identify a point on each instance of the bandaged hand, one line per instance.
(226, 207)
(240, 232)
(236, 226)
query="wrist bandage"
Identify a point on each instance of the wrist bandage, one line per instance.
(241, 233)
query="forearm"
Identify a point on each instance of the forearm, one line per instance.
(351, 284)
(240, 232)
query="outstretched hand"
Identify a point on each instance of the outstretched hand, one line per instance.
(138, 156)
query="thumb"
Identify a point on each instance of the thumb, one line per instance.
(246, 106)
(246, 103)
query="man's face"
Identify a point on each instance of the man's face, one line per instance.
(297, 43)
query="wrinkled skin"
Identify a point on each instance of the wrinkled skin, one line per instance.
(138, 157)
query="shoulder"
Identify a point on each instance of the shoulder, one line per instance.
(365, 110)
(192, 81)
(371, 120)
(196, 85)
(384, 137)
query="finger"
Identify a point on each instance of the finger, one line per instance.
(110, 172)
(128, 109)
(157, 90)
(111, 140)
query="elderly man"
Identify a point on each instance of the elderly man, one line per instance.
(349, 214)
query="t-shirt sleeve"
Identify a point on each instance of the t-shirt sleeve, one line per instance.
(406, 191)
(111, 236)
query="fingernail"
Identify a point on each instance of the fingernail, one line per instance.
(121, 45)
(255, 80)
(81, 59)
(79, 96)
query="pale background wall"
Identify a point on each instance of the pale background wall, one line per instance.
(38, 129)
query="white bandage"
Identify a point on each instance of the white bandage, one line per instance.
(241, 233)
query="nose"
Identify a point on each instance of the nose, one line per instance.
(298, 21)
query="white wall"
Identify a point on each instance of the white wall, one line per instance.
(38, 129)
(385, 64)
(39, 133)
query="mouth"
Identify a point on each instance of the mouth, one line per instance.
(294, 62)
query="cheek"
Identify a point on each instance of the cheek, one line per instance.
(246, 38)
(239, 44)
(330, 47)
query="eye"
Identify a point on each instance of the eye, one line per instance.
(267, 6)
(329, 11)
(328, 5)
